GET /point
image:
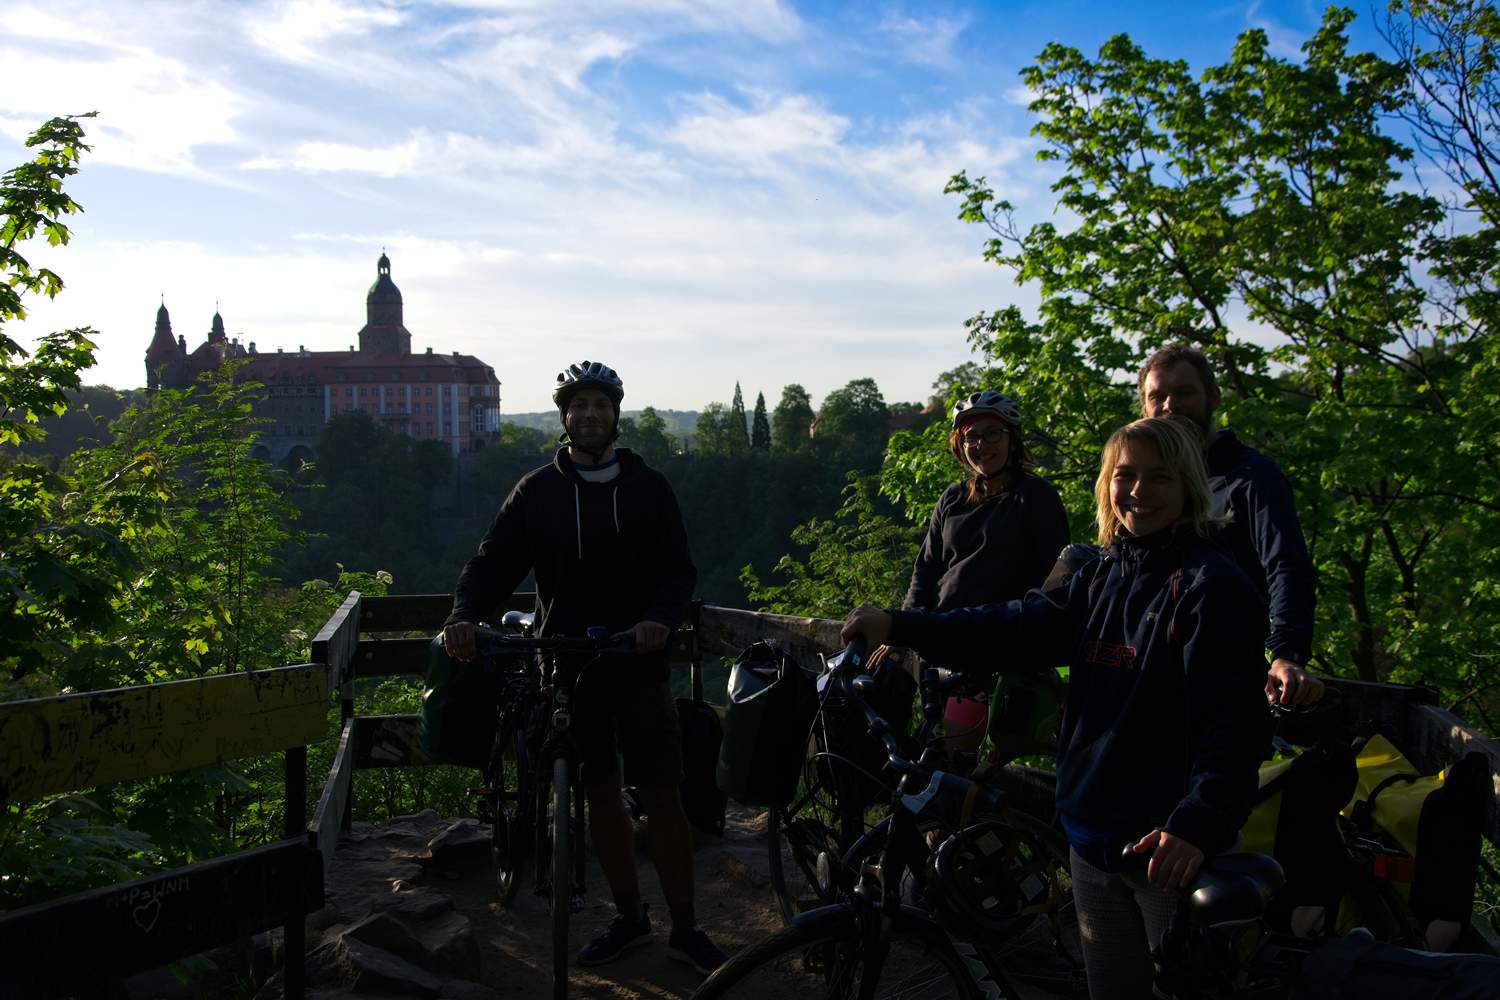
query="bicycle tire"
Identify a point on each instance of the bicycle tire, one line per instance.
(818, 820)
(818, 955)
(562, 875)
(512, 806)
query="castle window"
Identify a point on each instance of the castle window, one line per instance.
(429, 427)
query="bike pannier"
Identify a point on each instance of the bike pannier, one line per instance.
(767, 719)
(459, 702)
(702, 735)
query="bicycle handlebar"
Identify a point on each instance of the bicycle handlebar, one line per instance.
(597, 639)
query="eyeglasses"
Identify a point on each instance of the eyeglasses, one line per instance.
(992, 436)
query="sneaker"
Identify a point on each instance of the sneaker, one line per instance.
(622, 934)
(692, 946)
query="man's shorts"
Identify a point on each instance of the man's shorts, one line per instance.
(636, 721)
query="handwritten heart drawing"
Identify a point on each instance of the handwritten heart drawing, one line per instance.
(146, 914)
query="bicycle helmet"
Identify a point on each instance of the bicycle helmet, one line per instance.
(988, 876)
(587, 375)
(987, 401)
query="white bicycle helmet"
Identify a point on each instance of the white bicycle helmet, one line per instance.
(987, 401)
(587, 375)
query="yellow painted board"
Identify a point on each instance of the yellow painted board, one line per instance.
(50, 745)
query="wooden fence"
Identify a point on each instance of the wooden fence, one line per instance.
(72, 742)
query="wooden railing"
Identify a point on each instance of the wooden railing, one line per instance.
(61, 744)
(52, 745)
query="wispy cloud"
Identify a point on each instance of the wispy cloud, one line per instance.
(303, 25)
(926, 41)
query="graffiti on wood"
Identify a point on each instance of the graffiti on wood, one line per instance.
(61, 744)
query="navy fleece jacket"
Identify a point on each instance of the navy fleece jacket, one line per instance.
(1166, 721)
(1265, 538)
(611, 554)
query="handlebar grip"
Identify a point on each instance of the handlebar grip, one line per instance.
(857, 647)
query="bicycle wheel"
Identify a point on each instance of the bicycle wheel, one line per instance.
(818, 824)
(562, 875)
(512, 806)
(821, 956)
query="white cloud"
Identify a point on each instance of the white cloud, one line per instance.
(334, 157)
(304, 25)
(774, 131)
(154, 111)
(927, 41)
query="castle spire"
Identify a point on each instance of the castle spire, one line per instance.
(165, 350)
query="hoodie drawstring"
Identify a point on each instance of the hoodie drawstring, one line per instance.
(614, 496)
(578, 519)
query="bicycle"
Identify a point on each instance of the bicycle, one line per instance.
(531, 783)
(869, 941)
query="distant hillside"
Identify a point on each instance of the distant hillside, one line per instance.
(678, 422)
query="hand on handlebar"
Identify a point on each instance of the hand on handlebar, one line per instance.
(877, 656)
(1174, 862)
(458, 641)
(647, 636)
(869, 621)
(1291, 686)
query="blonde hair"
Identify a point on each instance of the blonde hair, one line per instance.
(1179, 445)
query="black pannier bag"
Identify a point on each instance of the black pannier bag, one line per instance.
(702, 737)
(768, 715)
(459, 703)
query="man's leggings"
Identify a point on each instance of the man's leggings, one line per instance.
(1121, 917)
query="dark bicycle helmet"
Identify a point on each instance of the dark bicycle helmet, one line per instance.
(987, 401)
(587, 375)
(990, 875)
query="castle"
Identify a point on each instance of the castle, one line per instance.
(453, 398)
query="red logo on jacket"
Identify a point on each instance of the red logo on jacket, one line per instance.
(1108, 654)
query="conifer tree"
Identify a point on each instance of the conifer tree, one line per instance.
(760, 428)
(737, 410)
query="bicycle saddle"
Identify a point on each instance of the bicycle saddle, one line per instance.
(1234, 887)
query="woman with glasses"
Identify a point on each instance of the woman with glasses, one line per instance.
(993, 536)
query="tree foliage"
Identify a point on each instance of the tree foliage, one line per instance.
(861, 554)
(854, 423)
(760, 427)
(791, 420)
(1260, 211)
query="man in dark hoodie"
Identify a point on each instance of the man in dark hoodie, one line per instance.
(605, 538)
(1263, 533)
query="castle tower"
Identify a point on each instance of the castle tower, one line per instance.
(166, 357)
(383, 332)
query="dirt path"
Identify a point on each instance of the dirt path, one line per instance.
(734, 902)
(389, 869)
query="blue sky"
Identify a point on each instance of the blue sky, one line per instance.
(697, 193)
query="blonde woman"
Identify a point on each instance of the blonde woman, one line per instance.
(1166, 718)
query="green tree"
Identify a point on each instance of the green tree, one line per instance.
(791, 420)
(521, 440)
(719, 431)
(862, 554)
(737, 410)
(1264, 192)
(853, 424)
(650, 437)
(60, 566)
(760, 430)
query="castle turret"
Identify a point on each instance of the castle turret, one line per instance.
(166, 356)
(383, 332)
